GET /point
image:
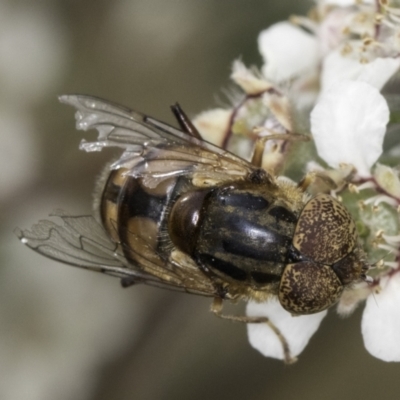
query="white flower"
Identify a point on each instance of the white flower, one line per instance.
(377, 72)
(337, 67)
(380, 324)
(296, 330)
(348, 42)
(288, 51)
(348, 125)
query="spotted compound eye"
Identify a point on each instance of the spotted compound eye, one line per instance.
(325, 232)
(325, 237)
(307, 288)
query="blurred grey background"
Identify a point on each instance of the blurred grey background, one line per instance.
(71, 334)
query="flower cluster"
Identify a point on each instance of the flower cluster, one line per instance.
(331, 74)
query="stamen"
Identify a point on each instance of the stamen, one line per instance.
(378, 18)
(366, 185)
(368, 41)
(353, 188)
(346, 49)
(392, 239)
(381, 198)
(387, 247)
(368, 279)
(361, 18)
(395, 18)
(388, 23)
(391, 10)
(380, 264)
(361, 205)
(392, 264)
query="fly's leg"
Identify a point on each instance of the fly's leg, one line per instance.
(310, 178)
(216, 308)
(329, 180)
(184, 122)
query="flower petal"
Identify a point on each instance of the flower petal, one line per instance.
(348, 124)
(248, 80)
(388, 179)
(213, 124)
(331, 31)
(296, 330)
(380, 324)
(287, 50)
(337, 67)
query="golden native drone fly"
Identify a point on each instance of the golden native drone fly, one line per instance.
(178, 212)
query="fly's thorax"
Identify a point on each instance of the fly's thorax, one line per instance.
(186, 217)
(238, 233)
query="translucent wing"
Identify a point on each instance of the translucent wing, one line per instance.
(81, 241)
(153, 150)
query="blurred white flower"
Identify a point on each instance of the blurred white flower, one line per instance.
(19, 152)
(344, 3)
(32, 51)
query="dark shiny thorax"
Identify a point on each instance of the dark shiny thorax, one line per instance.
(245, 235)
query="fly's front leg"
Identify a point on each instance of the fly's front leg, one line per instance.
(311, 177)
(216, 308)
(306, 181)
(328, 180)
